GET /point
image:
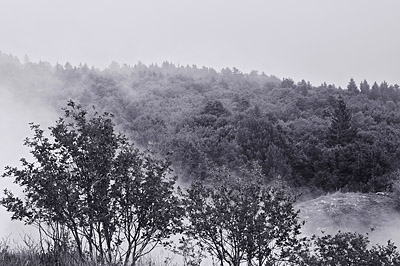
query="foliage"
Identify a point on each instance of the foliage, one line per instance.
(199, 114)
(92, 187)
(341, 131)
(191, 252)
(349, 249)
(364, 87)
(260, 140)
(238, 220)
(352, 87)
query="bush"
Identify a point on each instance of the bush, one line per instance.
(239, 220)
(348, 249)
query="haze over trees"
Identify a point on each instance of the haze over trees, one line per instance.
(115, 201)
(321, 137)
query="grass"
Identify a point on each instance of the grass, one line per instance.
(353, 212)
(31, 255)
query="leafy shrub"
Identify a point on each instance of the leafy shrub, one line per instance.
(348, 249)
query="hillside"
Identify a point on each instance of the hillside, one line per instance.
(205, 119)
(352, 212)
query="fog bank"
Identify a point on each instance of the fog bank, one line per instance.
(15, 115)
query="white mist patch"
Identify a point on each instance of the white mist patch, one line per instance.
(15, 116)
(371, 214)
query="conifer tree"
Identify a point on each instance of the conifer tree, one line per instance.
(352, 87)
(341, 131)
(364, 87)
(375, 91)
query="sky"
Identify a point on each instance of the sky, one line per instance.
(315, 40)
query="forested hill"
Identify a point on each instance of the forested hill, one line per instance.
(322, 137)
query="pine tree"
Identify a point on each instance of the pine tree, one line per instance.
(341, 131)
(352, 87)
(364, 87)
(375, 92)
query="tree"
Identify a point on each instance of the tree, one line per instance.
(341, 131)
(215, 108)
(239, 220)
(260, 140)
(303, 87)
(287, 83)
(364, 87)
(375, 91)
(114, 202)
(352, 87)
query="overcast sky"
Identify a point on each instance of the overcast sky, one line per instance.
(315, 40)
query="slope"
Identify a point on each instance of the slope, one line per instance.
(372, 214)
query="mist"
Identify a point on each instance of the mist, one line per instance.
(15, 115)
(319, 41)
(368, 214)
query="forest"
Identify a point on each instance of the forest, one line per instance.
(214, 129)
(323, 138)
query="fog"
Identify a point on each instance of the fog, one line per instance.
(369, 214)
(314, 40)
(15, 115)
